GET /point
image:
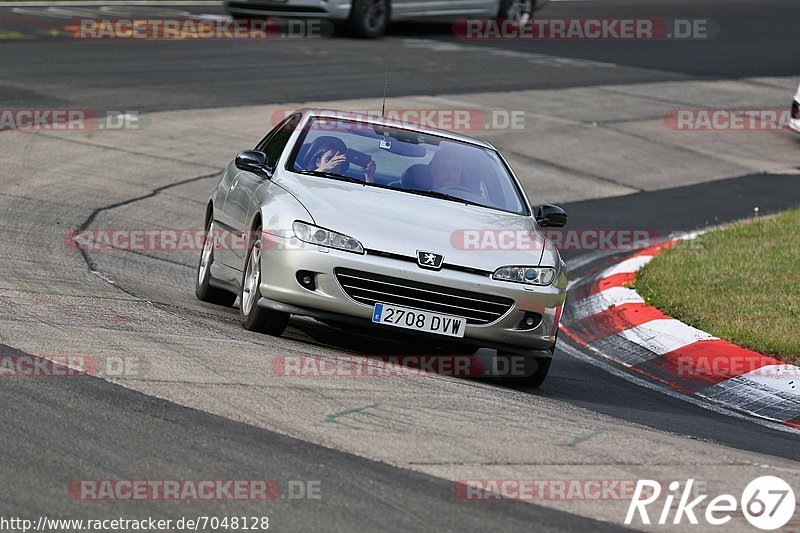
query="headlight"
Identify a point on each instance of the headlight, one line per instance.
(526, 274)
(325, 237)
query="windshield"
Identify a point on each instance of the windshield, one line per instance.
(405, 160)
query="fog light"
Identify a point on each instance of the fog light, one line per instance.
(530, 321)
(307, 279)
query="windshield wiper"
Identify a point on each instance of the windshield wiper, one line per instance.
(332, 175)
(442, 195)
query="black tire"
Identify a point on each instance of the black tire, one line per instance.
(246, 16)
(251, 316)
(369, 18)
(202, 289)
(510, 9)
(537, 378)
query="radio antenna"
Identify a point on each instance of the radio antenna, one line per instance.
(385, 89)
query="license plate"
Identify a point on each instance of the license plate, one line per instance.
(403, 317)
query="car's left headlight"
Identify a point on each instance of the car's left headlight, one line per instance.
(325, 237)
(529, 275)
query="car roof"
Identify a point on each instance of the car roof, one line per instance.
(374, 119)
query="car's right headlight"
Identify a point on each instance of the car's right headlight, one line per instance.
(324, 237)
(529, 275)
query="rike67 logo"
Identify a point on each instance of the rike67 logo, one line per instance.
(767, 503)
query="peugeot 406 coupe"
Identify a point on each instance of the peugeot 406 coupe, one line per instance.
(366, 221)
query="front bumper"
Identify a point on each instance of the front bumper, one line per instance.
(282, 258)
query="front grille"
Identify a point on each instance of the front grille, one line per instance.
(368, 288)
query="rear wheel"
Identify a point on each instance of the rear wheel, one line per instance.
(519, 10)
(253, 317)
(368, 18)
(202, 289)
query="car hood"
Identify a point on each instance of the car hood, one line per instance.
(402, 223)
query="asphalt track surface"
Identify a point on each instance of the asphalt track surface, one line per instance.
(85, 424)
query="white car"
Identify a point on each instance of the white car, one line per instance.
(368, 18)
(794, 122)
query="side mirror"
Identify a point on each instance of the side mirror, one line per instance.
(550, 216)
(253, 161)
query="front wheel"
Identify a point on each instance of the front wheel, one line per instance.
(369, 18)
(536, 378)
(519, 10)
(202, 289)
(251, 316)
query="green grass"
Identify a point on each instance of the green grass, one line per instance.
(740, 283)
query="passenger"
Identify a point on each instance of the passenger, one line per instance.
(445, 169)
(334, 159)
(330, 160)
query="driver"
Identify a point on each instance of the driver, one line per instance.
(445, 168)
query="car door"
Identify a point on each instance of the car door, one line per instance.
(241, 201)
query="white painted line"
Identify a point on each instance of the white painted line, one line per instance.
(664, 335)
(542, 60)
(603, 300)
(629, 266)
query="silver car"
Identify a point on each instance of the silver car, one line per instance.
(368, 18)
(361, 220)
